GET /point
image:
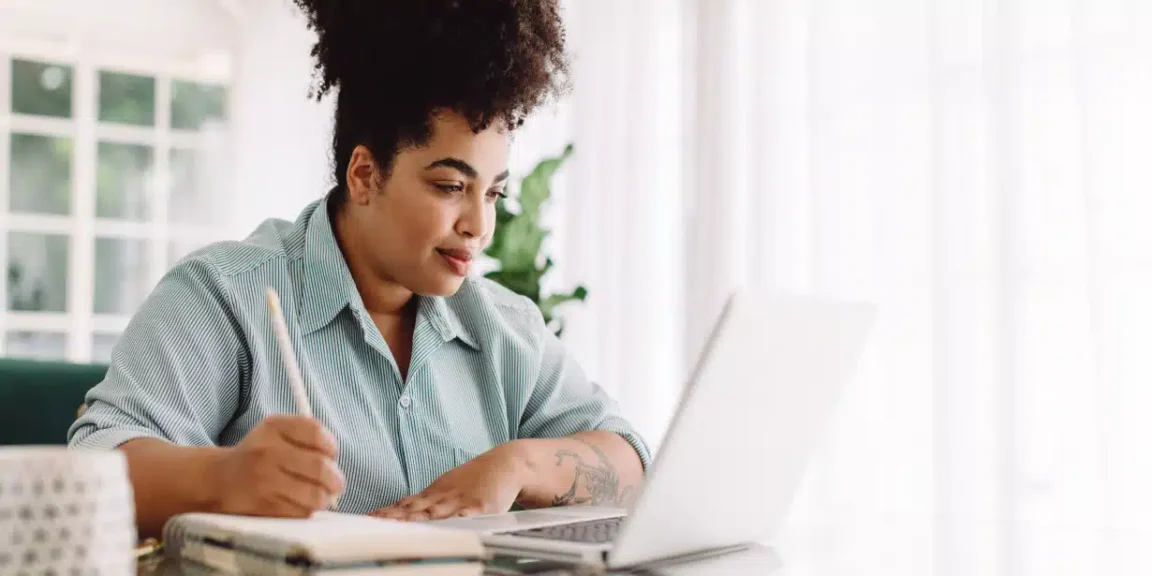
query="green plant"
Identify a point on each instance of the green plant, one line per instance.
(519, 236)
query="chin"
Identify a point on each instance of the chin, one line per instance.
(443, 286)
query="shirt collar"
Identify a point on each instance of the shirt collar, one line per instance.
(328, 285)
(446, 319)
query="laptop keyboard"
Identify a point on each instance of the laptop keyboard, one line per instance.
(590, 532)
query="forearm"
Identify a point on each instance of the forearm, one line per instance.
(169, 480)
(595, 467)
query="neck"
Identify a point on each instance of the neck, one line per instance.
(381, 295)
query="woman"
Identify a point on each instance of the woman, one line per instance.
(435, 394)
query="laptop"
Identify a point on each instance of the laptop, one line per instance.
(759, 400)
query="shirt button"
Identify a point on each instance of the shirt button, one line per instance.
(405, 401)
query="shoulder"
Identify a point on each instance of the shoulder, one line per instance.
(221, 275)
(273, 240)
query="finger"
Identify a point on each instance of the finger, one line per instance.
(305, 432)
(411, 501)
(391, 513)
(301, 491)
(395, 514)
(284, 507)
(314, 468)
(424, 500)
(468, 511)
(417, 516)
(444, 508)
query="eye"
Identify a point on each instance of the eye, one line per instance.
(496, 193)
(450, 188)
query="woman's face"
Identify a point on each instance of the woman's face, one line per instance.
(423, 225)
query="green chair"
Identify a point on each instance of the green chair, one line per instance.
(39, 400)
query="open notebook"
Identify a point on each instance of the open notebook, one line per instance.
(326, 541)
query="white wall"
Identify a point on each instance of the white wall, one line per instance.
(283, 138)
(617, 209)
(184, 29)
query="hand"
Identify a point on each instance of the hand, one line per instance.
(286, 466)
(487, 484)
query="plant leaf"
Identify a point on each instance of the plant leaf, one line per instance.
(519, 237)
(522, 282)
(521, 244)
(499, 235)
(554, 300)
(535, 189)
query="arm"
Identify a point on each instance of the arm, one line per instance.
(168, 480)
(574, 443)
(174, 383)
(595, 467)
(284, 467)
(177, 371)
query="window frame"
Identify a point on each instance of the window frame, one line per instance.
(79, 322)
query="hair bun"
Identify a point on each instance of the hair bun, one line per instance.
(324, 18)
(396, 62)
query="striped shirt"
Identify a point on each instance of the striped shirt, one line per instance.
(198, 365)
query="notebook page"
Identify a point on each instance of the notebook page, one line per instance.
(336, 537)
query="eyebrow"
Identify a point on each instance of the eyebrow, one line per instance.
(464, 168)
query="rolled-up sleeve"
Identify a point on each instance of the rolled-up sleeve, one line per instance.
(176, 373)
(564, 401)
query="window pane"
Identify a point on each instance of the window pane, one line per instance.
(37, 272)
(102, 345)
(123, 173)
(36, 345)
(182, 196)
(194, 104)
(41, 88)
(41, 176)
(121, 281)
(127, 99)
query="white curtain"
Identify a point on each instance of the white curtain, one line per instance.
(980, 169)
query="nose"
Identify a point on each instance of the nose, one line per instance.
(472, 221)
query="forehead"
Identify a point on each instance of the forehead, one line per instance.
(452, 137)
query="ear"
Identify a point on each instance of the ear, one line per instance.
(363, 176)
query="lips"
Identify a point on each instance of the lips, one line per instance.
(458, 260)
(458, 253)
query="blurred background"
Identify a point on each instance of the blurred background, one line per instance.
(977, 168)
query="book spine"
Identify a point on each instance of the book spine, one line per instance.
(180, 548)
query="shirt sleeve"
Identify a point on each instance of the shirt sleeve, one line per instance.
(176, 373)
(564, 401)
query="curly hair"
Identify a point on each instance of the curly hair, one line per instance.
(394, 63)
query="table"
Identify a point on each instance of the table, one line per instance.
(755, 561)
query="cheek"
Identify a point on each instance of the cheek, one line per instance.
(489, 221)
(421, 223)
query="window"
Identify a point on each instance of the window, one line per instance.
(106, 180)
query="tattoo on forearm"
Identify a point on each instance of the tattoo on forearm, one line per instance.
(601, 481)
